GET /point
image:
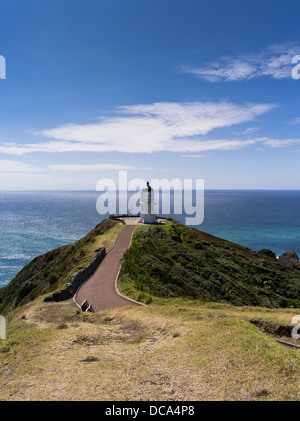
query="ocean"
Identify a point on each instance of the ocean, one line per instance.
(32, 223)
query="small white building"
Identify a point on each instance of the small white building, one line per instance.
(147, 206)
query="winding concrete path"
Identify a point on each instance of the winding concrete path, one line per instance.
(100, 290)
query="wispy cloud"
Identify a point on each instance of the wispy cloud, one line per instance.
(274, 61)
(295, 121)
(88, 167)
(249, 131)
(278, 143)
(148, 128)
(8, 166)
(194, 156)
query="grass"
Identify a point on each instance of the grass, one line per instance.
(183, 350)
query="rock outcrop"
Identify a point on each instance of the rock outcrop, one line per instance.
(289, 257)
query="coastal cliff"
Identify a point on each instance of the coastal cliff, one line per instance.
(167, 261)
(191, 343)
(52, 271)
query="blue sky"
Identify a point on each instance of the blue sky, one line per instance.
(162, 88)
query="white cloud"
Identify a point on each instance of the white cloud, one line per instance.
(194, 156)
(88, 167)
(278, 143)
(250, 130)
(275, 61)
(142, 128)
(295, 121)
(7, 166)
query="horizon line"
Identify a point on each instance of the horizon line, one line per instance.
(135, 191)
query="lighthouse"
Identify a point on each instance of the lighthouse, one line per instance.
(147, 206)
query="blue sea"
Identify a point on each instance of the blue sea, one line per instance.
(32, 223)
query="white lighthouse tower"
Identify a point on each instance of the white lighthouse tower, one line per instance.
(147, 206)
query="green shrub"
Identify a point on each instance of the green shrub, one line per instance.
(177, 261)
(52, 278)
(268, 253)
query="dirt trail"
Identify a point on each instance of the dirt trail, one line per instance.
(100, 289)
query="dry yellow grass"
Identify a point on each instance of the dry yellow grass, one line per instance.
(104, 240)
(182, 350)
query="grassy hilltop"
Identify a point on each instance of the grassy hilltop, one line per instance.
(196, 340)
(173, 260)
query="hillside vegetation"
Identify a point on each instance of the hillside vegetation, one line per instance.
(184, 346)
(51, 271)
(172, 260)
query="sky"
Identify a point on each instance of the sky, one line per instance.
(188, 89)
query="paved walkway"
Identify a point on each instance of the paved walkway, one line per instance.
(100, 289)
